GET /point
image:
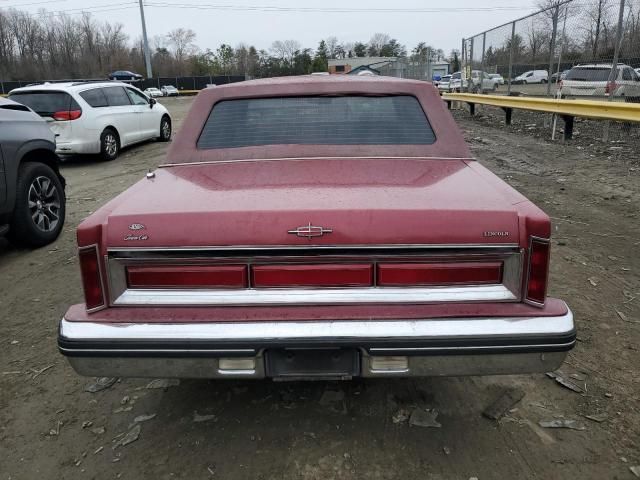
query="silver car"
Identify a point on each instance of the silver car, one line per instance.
(443, 84)
(32, 197)
(169, 91)
(593, 80)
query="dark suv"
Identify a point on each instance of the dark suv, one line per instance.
(32, 198)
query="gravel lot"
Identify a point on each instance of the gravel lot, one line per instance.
(50, 427)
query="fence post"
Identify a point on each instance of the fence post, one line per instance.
(613, 74)
(563, 40)
(463, 59)
(513, 40)
(484, 42)
(552, 46)
(469, 68)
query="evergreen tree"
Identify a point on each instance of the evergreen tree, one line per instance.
(360, 49)
(320, 62)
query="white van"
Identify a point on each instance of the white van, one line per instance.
(532, 76)
(96, 117)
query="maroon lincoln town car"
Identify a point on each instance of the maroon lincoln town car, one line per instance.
(317, 227)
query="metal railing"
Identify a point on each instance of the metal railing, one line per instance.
(566, 109)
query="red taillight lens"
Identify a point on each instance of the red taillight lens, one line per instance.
(67, 115)
(610, 88)
(397, 274)
(187, 276)
(538, 270)
(312, 276)
(91, 282)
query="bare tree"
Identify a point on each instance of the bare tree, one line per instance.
(596, 14)
(377, 42)
(285, 50)
(536, 37)
(182, 41)
(332, 45)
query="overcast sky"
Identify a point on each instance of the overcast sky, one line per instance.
(442, 29)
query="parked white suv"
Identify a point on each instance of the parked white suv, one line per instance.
(96, 117)
(482, 81)
(532, 76)
(593, 80)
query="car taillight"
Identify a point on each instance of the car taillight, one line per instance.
(399, 274)
(538, 270)
(91, 281)
(187, 276)
(610, 88)
(312, 276)
(67, 115)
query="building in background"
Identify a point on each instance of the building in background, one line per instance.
(390, 66)
(343, 66)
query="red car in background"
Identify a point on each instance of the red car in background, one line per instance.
(314, 226)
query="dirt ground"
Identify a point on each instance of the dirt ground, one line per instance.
(51, 428)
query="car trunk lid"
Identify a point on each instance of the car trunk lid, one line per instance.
(307, 202)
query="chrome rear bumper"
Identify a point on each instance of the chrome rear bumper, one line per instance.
(452, 346)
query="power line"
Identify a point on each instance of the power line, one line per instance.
(27, 4)
(79, 11)
(273, 8)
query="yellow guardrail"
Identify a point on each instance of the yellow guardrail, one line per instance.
(623, 111)
(567, 109)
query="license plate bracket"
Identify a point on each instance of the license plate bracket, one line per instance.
(312, 362)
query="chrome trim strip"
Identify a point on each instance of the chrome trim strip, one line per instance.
(222, 248)
(324, 296)
(248, 160)
(330, 330)
(216, 351)
(472, 347)
(373, 351)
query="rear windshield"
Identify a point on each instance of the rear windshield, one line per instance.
(593, 74)
(45, 103)
(348, 120)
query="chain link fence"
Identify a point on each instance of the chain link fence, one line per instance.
(588, 49)
(416, 69)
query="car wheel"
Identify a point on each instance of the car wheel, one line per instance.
(165, 129)
(109, 145)
(38, 215)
